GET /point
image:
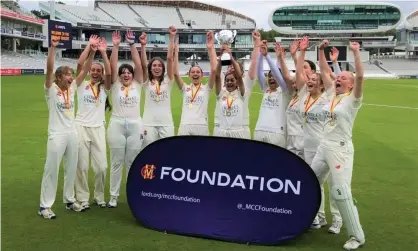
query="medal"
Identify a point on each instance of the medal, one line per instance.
(68, 113)
(228, 113)
(95, 92)
(157, 98)
(294, 100)
(157, 90)
(332, 122)
(334, 104)
(194, 95)
(190, 105)
(308, 106)
(127, 91)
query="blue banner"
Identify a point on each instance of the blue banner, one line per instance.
(223, 188)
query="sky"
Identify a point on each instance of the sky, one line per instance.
(257, 10)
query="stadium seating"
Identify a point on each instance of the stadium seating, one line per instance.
(400, 66)
(87, 15)
(156, 17)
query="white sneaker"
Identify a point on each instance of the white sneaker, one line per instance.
(315, 224)
(113, 202)
(353, 244)
(322, 221)
(85, 205)
(99, 204)
(75, 206)
(47, 213)
(335, 228)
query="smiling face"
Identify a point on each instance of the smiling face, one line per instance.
(96, 72)
(126, 74)
(344, 82)
(271, 81)
(314, 84)
(64, 76)
(195, 74)
(230, 82)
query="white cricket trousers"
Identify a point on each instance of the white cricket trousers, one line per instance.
(274, 138)
(232, 133)
(92, 143)
(336, 159)
(153, 133)
(125, 138)
(201, 130)
(309, 156)
(59, 147)
(247, 132)
(295, 145)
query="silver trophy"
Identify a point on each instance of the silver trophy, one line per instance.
(225, 37)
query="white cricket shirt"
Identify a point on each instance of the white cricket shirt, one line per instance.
(339, 122)
(231, 105)
(157, 109)
(195, 104)
(126, 100)
(91, 104)
(294, 116)
(313, 119)
(61, 108)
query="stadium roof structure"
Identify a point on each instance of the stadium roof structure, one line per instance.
(335, 18)
(411, 21)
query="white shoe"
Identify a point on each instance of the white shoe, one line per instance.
(335, 228)
(315, 224)
(85, 205)
(322, 221)
(353, 244)
(113, 202)
(75, 206)
(99, 204)
(46, 213)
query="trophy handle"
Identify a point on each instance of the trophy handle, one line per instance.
(217, 36)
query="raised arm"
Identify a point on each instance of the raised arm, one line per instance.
(281, 55)
(114, 56)
(144, 60)
(176, 70)
(94, 39)
(323, 66)
(108, 72)
(130, 39)
(237, 73)
(254, 55)
(293, 50)
(276, 73)
(260, 71)
(358, 84)
(300, 73)
(49, 78)
(210, 44)
(87, 65)
(218, 81)
(333, 55)
(172, 35)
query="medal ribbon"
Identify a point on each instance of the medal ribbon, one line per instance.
(127, 90)
(332, 107)
(308, 106)
(194, 94)
(95, 92)
(229, 101)
(294, 100)
(66, 95)
(157, 87)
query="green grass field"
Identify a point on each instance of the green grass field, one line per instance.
(384, 180)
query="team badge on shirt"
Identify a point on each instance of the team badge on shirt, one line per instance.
(87, 87)
(188, 89)
(122, 88)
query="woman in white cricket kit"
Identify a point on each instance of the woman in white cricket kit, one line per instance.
(158, 119)
(90, 123)
(194, 116)
(248, 80)
(231, 99)
(295, 133)
(125, 132)
(271, 124)
(62, 143)
(335, 154)
(316, 96)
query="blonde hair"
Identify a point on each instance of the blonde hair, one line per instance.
(61, 71)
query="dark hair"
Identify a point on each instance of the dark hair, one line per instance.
(124, 67)
(161, 78)
(311, 64)
(229, 73)
(191, 67)
(107, 104)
